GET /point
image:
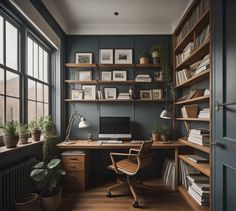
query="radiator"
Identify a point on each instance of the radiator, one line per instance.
(14, 182)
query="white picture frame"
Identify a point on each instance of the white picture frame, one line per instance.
(119, 75)
(89, 92)
(83, 58)
(145, 94)
(85, 75)
(157, 94)
(106, 76)
(123, 56)
(110, 93)
(77, 94)
(106, 56)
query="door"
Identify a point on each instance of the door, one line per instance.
(224, 92)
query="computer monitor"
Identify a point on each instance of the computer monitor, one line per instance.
(114, 127)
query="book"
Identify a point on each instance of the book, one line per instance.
(197, 159)
(190, 111)
(199, 131)
(198, 178)
(199, 187)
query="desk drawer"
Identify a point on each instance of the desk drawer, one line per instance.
(73, 158)
(75, 180)
(73, 166)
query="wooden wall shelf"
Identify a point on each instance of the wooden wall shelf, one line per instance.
(194, 100)
(116, 65)
(113, 101)
(148, 65)
(73, 65)
(195, 146)
(202, 167)
(193, 119)
(80, 82)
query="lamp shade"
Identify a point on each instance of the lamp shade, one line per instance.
(165, 114)
(83, 123)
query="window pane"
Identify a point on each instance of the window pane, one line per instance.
(39, 92)
(1, 39)
(39, 110)
(31, 90)
(46, 109)
(12, 109)
(1, 109)
(30, 57)
(31, 111)
(36, 60)
(11, 46)
(46, 93)
(40, 64)
(45, 62)
(1, 81)
(12, 84)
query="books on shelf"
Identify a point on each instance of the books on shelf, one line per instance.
(203, 65)
(100, 95)
(197, 159)
(182, 76)
(202, 200)
(199, 136)
(124, 96)
(197, 178)
(143, 78)
(190, 111)
(202, 37)
(168, 173)
(185, 53)
(204, 113)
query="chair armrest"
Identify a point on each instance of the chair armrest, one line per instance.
(132, 149)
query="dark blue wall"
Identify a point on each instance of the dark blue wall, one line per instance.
(143, 114)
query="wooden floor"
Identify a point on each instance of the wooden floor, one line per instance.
(94, 199)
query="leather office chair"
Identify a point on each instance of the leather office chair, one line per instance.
(135, 160)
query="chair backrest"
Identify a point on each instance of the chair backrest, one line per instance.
(145, 148)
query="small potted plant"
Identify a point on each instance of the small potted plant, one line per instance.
(23, 132)
(155, 52)
(10, 137)
(156, 133)
(164, 132)
(144, 57)
(35, 130)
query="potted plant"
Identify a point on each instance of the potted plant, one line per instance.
(10, 137)
(144, 57)
(22, 130)
(29, 201)
(164, 132)
(35, 130)
(156, 133)
(155, 52)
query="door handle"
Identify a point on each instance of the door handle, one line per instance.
(218, 105)
(218, 144)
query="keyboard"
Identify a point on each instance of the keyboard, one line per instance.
(109, 142)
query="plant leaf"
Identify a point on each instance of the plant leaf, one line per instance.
(53, 163)
(39, 174)
(38, 165)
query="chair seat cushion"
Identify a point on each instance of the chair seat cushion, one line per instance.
(126, 166)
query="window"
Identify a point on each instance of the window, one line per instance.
(9, 72)
(38, 85)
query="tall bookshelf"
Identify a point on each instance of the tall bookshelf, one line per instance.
(191, 44)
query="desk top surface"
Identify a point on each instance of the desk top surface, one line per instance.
(85, 144)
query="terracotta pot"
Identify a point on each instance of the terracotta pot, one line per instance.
(52, 203)
(144, 60)
(35, 135)
(28, 202)
(23, 138)
(164, 137)
(155, 137)
(10, 141)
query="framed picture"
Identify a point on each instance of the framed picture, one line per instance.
(157, 94)
(106, 75)
(106, 56)
(83, 58)
(119, 75)
(110, 93)
(89, 92)
(85, 75)
(77, 94)
(145, 94)
(123, 56)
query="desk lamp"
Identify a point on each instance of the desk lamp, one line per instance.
(82, 124)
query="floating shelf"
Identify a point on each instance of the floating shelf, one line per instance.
(202, 167)
(116, 65)
(80, 82)
(194, 100)
(116, 100)
(73, 65)
(148, 65)
(195, 146)
(193, 119)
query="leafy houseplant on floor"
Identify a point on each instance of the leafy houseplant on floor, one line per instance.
(10, 137)
(47, 173)
(144, 57)
(22, 130)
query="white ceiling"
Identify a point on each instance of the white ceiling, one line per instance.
(135, 16)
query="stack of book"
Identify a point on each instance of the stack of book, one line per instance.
(204, 64)
(168, 173)
(182, 76)
(192, 94)
(124, 96)
(185, 54)
(197, 159)
(204, 113)
(100, 95)
(143, 78)
(189, 111)
(202, 37)
(199, 136)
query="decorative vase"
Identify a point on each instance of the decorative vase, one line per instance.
(35, 135)
(28, 202)
(144, 60)
(23, 138)
(10, 141)
(52, 203)
(155, 137)
(155, 57)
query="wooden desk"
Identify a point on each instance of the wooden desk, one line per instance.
(93, 145)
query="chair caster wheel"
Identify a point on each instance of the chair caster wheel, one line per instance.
(109, 194)
(135, 204)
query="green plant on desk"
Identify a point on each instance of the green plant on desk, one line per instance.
(164, 132)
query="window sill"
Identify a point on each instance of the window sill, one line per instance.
(19, 147)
